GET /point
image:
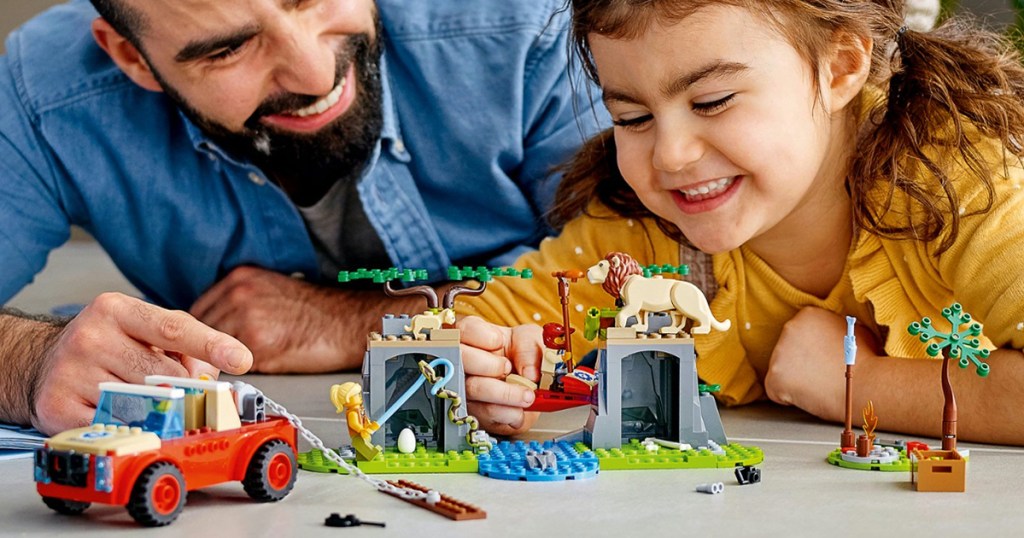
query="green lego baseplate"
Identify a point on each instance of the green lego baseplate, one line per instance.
(635, 457)
(391, 461)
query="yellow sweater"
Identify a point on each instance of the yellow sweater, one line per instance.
(886, 284)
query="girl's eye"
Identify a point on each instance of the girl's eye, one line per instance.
(633, 123)
(713, 107)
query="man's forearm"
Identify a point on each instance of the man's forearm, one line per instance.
(907, 396)
(24, 342)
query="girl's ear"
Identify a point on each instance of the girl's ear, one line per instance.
(848, 67)
(124, 54)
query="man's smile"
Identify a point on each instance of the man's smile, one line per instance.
(315, 116)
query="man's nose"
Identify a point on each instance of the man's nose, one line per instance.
(306, 64)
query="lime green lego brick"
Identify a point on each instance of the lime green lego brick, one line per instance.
(737, 455)
(635, 457)
(420, 461)
(315, 461)
(903, 464)
(392, 461)
(592, 322)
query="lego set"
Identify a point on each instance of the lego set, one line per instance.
(150, 443)
(930, 470)
(648, 409)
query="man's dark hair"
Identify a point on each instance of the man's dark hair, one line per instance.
(125, 19)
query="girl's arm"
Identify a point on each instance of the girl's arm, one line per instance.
(807, 370)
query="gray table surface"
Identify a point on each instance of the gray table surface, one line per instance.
(800, 494)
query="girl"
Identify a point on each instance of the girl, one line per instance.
(831, 162)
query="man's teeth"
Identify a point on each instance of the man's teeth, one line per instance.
(707, 190)
(323, 104)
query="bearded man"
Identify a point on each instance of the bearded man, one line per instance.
(233, 155)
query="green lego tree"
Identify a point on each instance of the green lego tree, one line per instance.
(481, 274)
(962, 345)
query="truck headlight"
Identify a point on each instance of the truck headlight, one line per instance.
(104, 472)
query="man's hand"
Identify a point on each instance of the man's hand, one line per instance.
(292, 326)
(115, 338)
(489, 353)
(807, 368)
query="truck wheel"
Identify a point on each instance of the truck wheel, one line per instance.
(271, 472)
(66, 507)
(158, 496)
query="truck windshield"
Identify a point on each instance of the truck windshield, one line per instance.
(162, 416)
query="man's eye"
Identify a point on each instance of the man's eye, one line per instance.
(226, 53)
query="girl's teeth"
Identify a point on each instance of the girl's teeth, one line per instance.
(707, 190)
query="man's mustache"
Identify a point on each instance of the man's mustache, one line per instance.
(288, 102)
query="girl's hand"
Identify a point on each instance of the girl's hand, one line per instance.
(489, 354)
(807, 368)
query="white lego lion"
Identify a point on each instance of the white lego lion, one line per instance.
(621, 276)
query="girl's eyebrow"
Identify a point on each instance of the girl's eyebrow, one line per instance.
(717, 68)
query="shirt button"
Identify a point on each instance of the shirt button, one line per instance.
(298, 275)
(399, 145)
(257, 179)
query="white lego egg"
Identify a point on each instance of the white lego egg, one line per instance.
(406, 441)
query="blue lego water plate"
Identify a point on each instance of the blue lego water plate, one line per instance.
(532, 462)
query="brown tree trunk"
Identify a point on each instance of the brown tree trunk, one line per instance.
(948, 408)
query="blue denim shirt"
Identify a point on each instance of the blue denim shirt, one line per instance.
(479, 106)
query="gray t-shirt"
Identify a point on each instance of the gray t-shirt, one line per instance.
(343, 237)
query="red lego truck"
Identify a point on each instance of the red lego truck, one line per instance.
(151, 444)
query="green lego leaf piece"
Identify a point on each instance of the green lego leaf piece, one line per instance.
(485, 274)
(702, 388)
(963, 344)
(380, 276)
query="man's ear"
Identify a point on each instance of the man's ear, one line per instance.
(124, 54)
(847, 69)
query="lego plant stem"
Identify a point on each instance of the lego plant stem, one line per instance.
(850, 356)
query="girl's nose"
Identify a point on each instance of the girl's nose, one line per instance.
(675, 149)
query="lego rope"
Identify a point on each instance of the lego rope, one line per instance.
(472, 437)
(435, 386)
(381, 485)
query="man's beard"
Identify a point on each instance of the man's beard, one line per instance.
(307, 164)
